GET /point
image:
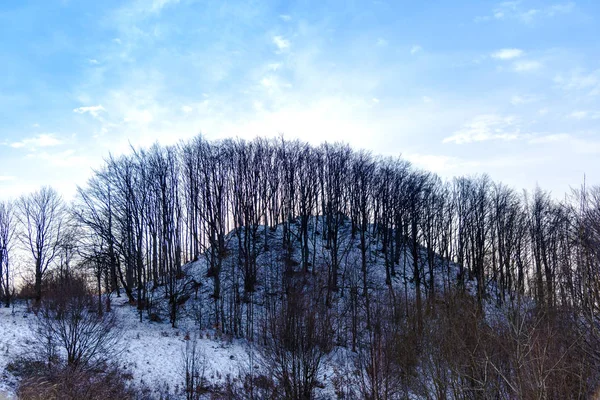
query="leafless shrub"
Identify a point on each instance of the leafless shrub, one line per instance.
(194, 368)
(299, 341)
(387, 356)
(69, 331)
(67, 383)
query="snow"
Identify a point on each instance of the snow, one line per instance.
(152, 352)
(15, 340)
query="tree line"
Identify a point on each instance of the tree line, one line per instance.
(367, 243)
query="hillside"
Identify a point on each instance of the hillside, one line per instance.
(153, 350)
(275, 269)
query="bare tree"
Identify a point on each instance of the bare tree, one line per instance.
(297, 345)
(67, 321)
(42, 216)
(7, 234)
(193, 368)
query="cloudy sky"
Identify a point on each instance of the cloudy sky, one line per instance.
(458, 87)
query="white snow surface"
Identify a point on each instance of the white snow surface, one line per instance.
(152, 352)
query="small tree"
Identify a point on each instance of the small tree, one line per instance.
(7, 233)
(68, 325)
(300, 338)
(194, 366)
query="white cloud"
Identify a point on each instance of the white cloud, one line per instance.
(513, 10)
(415, 49)
(94, 111)
(582, 114)
(187, 109)
(578, 114)
(527, 66)
(4, 178)
(43, 140)
(486, 127)
(507, 54)
(528, 16)
(93, 61)
(580, 80)
(268, 82)
(556, 9)
(285, 17)
(281, 43)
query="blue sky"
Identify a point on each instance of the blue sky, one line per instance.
(511, 89)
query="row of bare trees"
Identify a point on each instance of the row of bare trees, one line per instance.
(354, 231)
(148, 213)
(39, 224)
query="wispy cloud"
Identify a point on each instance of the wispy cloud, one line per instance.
(281, 43)
(515, 10)
(4, 178)
(507, 54)
(583, 114)
(269, 69)
(485, 128)
(94, 111)
(582, 81)
(43, 140)
(578, 114)
(557, 9)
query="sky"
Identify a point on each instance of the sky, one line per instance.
(460, 87)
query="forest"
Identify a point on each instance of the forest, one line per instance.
(342, 275)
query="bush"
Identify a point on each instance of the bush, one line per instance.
(74, 347)
(69, 383)
(69, 330)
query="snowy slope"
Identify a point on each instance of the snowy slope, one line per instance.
(152, 351)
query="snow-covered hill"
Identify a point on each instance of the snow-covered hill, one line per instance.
(152, 352)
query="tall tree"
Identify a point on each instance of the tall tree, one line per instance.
(42, 215)
(7, 234)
